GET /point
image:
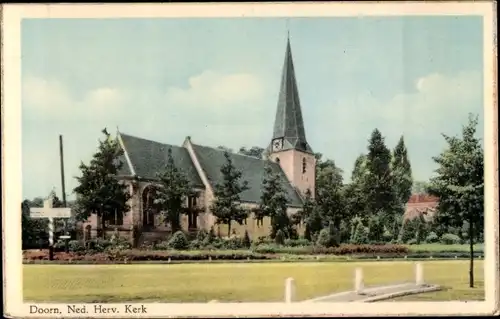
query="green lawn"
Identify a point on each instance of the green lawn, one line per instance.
(236, 282)
(442, 247)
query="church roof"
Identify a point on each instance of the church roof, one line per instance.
(252, 169)
(289, 123)
(148, 157)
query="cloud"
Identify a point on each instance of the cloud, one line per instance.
(217, 90)
(439, 103)
(42, 96)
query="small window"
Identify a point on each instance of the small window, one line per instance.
(277, 160)
(304, 165)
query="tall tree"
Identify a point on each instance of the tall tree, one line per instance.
(99, 192)
(273, 204)
(171, 192)
(354, 191)
(329, 193)
(309, 215)
(226, 205)
(379, 186)
(401, 173)
(459, 184)
(254, 151)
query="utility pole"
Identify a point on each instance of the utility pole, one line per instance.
(63, 187)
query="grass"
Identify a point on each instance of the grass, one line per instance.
(245, 282)
(443, 248)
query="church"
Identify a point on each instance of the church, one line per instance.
(288, 153)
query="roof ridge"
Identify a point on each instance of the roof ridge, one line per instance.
(233, 153)
(149, 140)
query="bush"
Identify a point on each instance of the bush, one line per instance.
(450, 239)
(324, 238)
(360, 235)
(201, 235)
(279, 239)
(297, 242)
(432, 238)
(232, 243)
(76, 246)
(178, 241)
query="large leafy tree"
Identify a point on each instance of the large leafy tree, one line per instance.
(274, 203)
(226, 206)
(379, 186)
(459, 184)
(99, 192)
(402, 174)
(310, 216)
(329, 193)
(171, 192)
(354, 191)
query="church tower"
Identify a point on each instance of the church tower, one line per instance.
(289, 146)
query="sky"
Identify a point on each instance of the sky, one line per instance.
(217, 80)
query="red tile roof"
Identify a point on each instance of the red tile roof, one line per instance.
(421, 205)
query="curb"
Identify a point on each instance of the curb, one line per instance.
(403, 293)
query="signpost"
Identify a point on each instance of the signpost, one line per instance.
(47, 211)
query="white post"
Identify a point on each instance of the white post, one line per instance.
(419, 274)
(289, 290)
(358, 280)
(51, 231)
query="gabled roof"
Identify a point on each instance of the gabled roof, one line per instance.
(289, 123)
(148, 157)
(252, 169)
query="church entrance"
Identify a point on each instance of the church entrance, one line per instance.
(148, 208)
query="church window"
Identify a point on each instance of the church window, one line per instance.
(304, 166)
(116, 219)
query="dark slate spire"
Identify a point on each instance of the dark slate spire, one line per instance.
(289, 124)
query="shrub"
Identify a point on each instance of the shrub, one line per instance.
(76, 246)
(195, 244)
(450, 239)
(178, 241)
(297, 242)
(232, 243)
(360, 235)
(246, 240)
(201, 235)
(279, 239)
(432, 238)
(163, 245)
(324, 238)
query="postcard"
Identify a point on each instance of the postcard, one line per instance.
(249, 160)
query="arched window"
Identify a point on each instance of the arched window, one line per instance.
(304, 165)
(277, 160)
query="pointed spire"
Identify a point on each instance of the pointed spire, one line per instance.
(289, 123)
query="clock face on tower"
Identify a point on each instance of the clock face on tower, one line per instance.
(277, 144)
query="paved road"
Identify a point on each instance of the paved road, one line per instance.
(374, 292)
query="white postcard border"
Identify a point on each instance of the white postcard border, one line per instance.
(11, 150)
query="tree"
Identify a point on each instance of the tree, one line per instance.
(459, 184)
(354, 192)
(329, 193)
(171, 192)
(99, 192)
(401, 174)
(274, 203)
(226, 206)
(379, 186)
(309, 215)
(254, 151)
